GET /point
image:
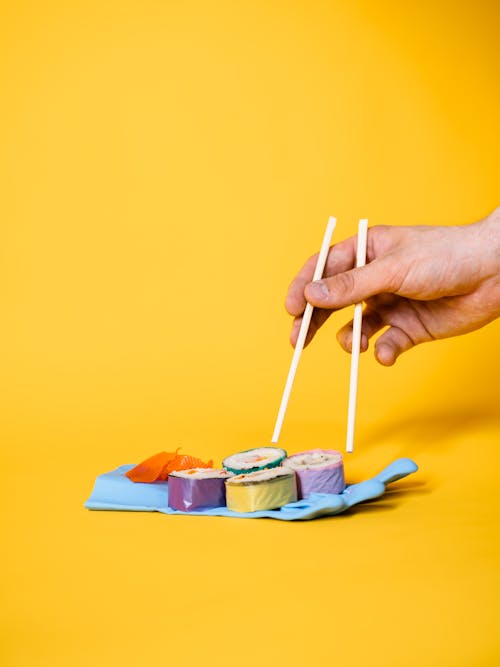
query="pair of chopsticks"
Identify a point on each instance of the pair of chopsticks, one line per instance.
(304, 328)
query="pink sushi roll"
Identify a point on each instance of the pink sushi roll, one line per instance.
(317, 471)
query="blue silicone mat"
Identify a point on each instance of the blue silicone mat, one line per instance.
(114, 491)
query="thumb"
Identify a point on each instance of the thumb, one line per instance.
(354, 286)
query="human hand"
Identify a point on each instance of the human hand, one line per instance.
(423, 283)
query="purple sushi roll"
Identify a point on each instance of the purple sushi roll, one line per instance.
(317, 471)
(197, 488)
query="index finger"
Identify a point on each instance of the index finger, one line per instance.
(341, 257)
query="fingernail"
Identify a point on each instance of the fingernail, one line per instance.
(318, 290)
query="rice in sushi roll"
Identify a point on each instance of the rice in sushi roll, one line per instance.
(261, 490)
(252, 460)
(197, 488)
(318, 471)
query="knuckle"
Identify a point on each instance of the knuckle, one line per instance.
(344, 283)
(380, 239)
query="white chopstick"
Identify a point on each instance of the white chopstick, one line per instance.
(304, 328)
(356, 340)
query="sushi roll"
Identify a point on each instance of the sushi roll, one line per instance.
(197, 488)
(318, 471)
(252, 460)
(261, 490)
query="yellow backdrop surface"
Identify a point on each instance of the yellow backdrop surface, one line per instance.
(165, 168)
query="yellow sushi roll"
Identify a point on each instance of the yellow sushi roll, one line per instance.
(262, 490)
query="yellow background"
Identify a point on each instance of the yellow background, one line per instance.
(165, 168)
